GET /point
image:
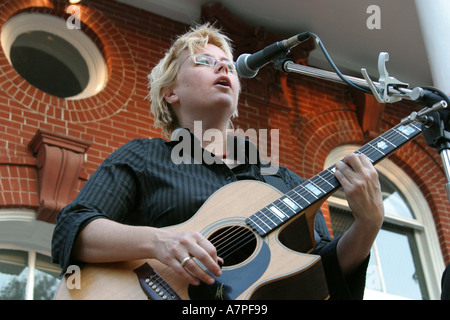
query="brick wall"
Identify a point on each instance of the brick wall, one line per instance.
(316, 115)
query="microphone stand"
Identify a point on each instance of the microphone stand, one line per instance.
(434, 118)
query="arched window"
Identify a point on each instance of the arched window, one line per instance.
(26, 270)
(406, 261)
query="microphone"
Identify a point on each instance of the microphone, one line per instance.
(248, 65)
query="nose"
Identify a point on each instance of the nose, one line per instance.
(221, 65)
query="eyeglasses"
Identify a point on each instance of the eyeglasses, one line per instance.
(209, 61)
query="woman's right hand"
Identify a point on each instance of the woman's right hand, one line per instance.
(104, 240)
(180, 250)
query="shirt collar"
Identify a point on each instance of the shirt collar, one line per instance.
(242, 150)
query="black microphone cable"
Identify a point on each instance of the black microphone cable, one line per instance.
(432, 90)
(335, 68)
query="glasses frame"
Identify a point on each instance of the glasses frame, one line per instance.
(205, 60)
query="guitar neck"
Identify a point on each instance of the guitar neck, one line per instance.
(324, 184)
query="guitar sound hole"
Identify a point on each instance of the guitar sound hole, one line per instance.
(234, 244)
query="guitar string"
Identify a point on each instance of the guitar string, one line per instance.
(233, 234)
(229, 247)
(237, 244)
(241, 237)
(302, 191)
(247, 240)
(225, 240)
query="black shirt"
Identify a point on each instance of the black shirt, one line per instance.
(141, 184)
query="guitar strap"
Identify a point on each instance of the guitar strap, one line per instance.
(319, 223)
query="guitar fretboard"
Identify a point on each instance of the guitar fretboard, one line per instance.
(324, 184)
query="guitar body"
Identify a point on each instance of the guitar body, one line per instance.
(261, 267)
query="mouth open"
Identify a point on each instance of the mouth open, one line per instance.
(224, 82)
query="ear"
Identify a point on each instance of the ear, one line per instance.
(171, 97)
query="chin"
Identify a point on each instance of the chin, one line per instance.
(225, 104)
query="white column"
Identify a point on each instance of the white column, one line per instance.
(435, 24)
(29, 292)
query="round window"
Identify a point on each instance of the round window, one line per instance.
(60, 61)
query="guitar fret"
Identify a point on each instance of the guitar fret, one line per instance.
(278, 213)
(400, 134)
(286, 209)
(317, 183)
(256, 225)
(399, 139)
(328, 182)
(262, 221)
(378, 148)
(291, 204)
(414, 124)
(360, 151)
(301, 196)
(328, 175)
(388, 141)
(381, 145)
(404, 131)
(407, 130)
(311, 188)
(268, 219)
(331, 170)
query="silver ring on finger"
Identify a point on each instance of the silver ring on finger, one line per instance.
(185, 260)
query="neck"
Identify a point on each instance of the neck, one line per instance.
(213, 139)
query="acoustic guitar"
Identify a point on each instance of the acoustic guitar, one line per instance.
(264, 236)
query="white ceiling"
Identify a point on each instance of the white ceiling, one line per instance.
(340, 24)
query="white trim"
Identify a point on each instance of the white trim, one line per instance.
(427, 240)
(20, 230)
(26, 22)
(29, 292)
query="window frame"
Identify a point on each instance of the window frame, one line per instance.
(424, 227)
(34, 21)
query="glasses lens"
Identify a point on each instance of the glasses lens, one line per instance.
(210, 61)
(204, 60)
(230, 66)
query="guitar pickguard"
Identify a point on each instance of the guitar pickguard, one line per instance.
(233, 281)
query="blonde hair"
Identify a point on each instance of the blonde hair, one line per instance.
(165, 73)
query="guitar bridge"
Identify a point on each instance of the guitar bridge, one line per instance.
(154, 286)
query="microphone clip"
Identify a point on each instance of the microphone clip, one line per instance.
(384, 94)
